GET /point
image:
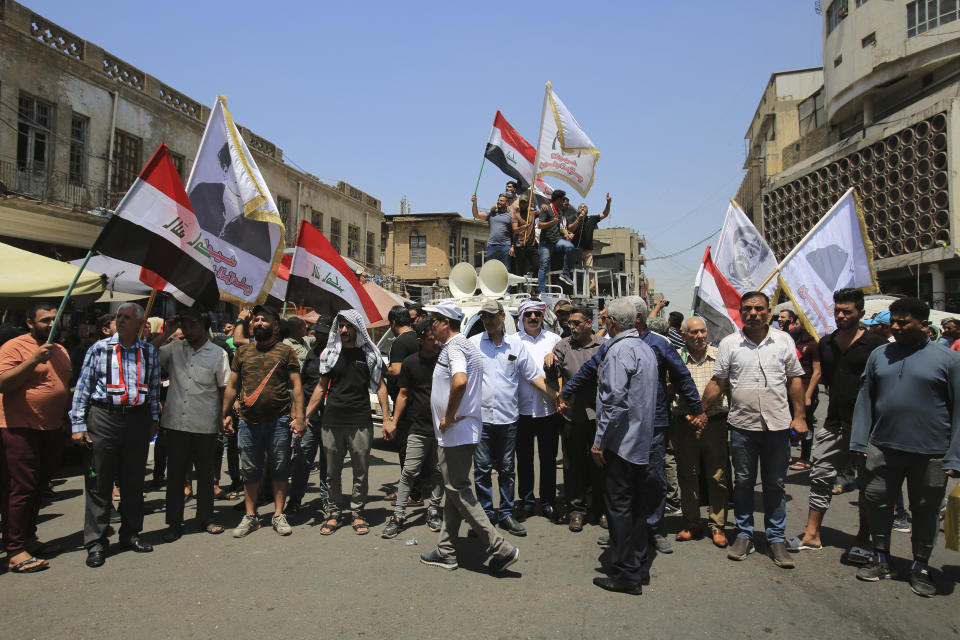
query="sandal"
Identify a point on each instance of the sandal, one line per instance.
(172, 534)
(212, 527)
(38, 565)
(330, 526)
(800, 465)
(360, 523)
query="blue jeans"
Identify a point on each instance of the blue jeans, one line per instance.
(546, 250)
(304, 454)
(771, 449)
(495, 451)
(499, 252)
(263, 444)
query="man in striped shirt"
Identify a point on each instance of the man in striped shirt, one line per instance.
(116, 406)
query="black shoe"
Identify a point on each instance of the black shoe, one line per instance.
(875, 571)
(611, 584)
(137, 545)
(393, 528)
(95, 556)
(497, 565)
(434, 520)
(521, 513)
(510, 525)
(548, 512)
(921, 582)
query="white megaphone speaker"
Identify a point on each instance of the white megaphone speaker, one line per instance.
(494, 279)
(463, 280)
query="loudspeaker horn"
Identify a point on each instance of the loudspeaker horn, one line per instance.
(463, 280)
(494, 279)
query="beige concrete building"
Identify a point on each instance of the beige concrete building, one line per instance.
(775, 126)
(81, 125)
(421, 248)
(886, 122)
(630, 244)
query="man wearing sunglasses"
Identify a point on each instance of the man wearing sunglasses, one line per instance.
(538, 419)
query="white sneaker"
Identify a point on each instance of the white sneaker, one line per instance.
(248, 524)
(281, 526)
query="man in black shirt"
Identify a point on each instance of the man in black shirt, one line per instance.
(405, 344)
(412, 412)
(351, 364)
(305, 449)
(554, 239)
(582, 229)
(843, 356)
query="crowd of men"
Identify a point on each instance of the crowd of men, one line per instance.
(527, 238)
(625, 402)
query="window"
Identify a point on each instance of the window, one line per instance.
(464, 250)
(283, 208)
(34, 135)
(869, 39)
(452, 249)
(353, 242)
(316, 219)
(418, 250)
(180, 163)
(479, 252)
(861, 2)
(335, 234)
(836, 13)
(837, 61)
(78, 149)
(923, 15)
(126, 163)
(371, 248)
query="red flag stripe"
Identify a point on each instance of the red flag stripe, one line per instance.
(731, 299)
(162, 174)
(514, 139)
(283, 271)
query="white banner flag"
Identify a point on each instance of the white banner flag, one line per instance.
(564, 150)
(242, 227)
(835, 254)
(742, 255)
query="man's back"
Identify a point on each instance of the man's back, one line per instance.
(626, 398)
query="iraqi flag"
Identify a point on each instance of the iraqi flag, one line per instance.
(320, 278)
(510, 152)
(716, 300)
(154, 233)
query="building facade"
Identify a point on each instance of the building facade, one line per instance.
(82, 123)
(629, 243)
(887, 123)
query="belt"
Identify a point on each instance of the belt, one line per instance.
(118, 408)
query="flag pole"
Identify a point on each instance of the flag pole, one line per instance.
(477, 186)
(146, 311)
(536, 157)
(66, 296)
(793, 251)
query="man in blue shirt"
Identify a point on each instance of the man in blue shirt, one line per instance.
(505, 362)
(626, 410)
(668, 362)
(906, 426)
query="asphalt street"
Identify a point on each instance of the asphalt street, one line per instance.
(345, 585)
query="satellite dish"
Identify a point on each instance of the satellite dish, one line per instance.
(463, 280)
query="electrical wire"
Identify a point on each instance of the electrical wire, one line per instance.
(693, 246)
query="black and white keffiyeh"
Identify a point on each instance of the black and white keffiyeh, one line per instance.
(331, 352)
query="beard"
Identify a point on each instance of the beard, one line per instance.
(263, 334)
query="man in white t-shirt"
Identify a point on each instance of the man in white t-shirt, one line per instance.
(455, 403)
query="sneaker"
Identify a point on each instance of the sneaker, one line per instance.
(435, 559)
(740, 549)
(393, 528)
(662, 544)
(901, 524)
(281, 526)
(565, 279)
(859, 555)
(671, 509)
(921, 582)
(497, 565)
(604, 540)
(876, 571)
(248, 524)
(434, 520)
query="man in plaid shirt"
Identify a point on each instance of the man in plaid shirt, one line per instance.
(116, 406)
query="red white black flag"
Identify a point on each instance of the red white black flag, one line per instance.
(155, 231)
(320, 278)
(510, 152)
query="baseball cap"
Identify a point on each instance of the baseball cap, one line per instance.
(879, 318)
(266, 310)
(563, 305)
(447, 309)
(491, 306)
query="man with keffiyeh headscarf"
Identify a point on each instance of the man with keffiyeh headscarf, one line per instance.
(350, 369)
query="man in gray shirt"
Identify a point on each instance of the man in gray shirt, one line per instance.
(906, 426)
(626, 411)
(500, 242)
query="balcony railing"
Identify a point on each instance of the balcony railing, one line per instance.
(53, 187)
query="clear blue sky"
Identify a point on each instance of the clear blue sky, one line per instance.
(398, 98)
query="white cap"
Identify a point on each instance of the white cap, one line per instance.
(447, 309)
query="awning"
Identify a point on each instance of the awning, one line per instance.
(26, 276)
(384, 301)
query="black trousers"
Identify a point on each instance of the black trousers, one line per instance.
(623, 492)
(185, 449)
(547, 434)
(582, 479)
(120, 442)
(526, 260)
